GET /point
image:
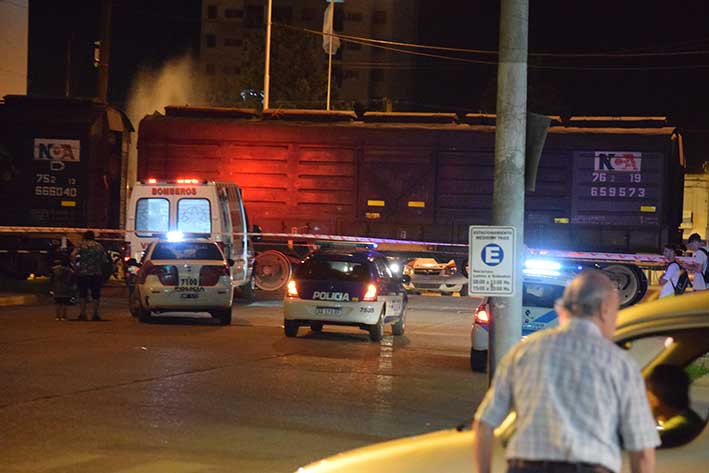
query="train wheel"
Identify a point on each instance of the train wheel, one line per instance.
(631, 281)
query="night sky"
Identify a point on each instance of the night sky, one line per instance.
(145, 33)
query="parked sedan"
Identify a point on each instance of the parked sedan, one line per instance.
(668, 331)
(429, 274)
(183, 276)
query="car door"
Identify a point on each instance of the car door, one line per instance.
(390, 289)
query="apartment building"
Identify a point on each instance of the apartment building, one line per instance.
(371, 76)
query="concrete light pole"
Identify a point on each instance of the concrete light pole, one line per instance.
(510, 138)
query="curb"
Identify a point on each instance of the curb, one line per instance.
(26, 299)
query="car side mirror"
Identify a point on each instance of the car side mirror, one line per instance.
(406, 279)
(230, 262)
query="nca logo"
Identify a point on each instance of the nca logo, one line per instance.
(56, 150)
(331, 296)
(623, 162)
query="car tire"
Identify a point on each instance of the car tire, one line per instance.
(247, 292)
(399, 327)
(376, 331)
(290, 327)
(478, 360)
(144, 316)
(316, 326)
(464, 291)
(134, 303)
(224, 316)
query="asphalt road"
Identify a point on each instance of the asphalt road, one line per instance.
(187, 395)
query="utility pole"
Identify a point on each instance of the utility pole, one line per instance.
(508, 193)
(104, 51)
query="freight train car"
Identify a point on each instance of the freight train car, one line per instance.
(62, 164)
(604, 184)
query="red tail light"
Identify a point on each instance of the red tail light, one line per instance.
(209, 275)
(292, 289)
(482, 314)
(371, 294)
(166, 274)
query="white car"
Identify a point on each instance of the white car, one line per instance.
(673, 331)
(538, 296)
(428, 274)
(183, 276)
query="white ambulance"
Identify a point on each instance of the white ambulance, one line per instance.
(193, 208)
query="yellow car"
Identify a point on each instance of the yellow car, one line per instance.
(673, 330)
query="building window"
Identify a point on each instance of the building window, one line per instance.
(233, 13)
(209, 69)
(233, 42)
(211, 41)
(212, 12)
(353, 16)
(254, 16)
(379, 17)
(283, 14)
(377, 75)
(308, 14)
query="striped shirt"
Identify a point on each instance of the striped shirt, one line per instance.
(578, 398)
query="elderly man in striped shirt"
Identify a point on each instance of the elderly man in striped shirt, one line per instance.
(579, 398)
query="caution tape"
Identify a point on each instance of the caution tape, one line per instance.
(587, 256)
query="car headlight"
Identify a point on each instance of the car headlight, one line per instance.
(408, 270)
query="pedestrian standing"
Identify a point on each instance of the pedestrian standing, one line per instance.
(579, 398)
(669, 281)
(90, 258)
(699, 262)
(62, 283)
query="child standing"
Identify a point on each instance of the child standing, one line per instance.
(62, 284)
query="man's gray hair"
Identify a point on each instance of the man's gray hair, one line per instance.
(585, 294)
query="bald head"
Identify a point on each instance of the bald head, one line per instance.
(585, 295)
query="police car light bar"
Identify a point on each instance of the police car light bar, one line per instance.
(175, 236)
(542, 267)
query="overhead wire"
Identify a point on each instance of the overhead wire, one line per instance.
(378, 44)
(492, 52)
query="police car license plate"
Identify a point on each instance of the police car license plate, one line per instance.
(189, 296)
(328, 310)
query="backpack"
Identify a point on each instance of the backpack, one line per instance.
(706, 268)
(682, 281)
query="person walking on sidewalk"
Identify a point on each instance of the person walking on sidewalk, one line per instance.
(62, 282)
(674, 280)
(579, 398)
(90, 258)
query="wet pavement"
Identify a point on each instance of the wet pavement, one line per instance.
(187, 395)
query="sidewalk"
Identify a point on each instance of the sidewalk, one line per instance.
(10, 299)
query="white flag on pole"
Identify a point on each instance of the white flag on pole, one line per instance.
(327, 30)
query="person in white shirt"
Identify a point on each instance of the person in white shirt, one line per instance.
(698, 263)
(669, 280)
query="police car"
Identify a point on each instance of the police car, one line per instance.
(345, 286)
(541, 287)
(183, 275)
